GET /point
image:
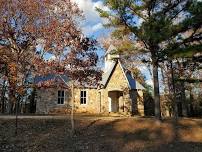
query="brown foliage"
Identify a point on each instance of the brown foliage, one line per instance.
(30, 30)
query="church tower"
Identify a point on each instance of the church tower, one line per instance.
(111, 56)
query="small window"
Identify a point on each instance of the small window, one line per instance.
(83, 97)
(61, 97)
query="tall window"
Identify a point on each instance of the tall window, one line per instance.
(61, 96)
(83, 97)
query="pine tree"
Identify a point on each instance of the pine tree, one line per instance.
(163, 26)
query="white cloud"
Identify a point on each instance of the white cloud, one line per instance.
(100, 4)
(93, 22)
(91, 29)
(97, 27)
(87, 30)
(88, 7)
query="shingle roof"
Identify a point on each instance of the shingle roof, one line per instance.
(54, 77)
(133, 83)
(107, 73)
(59, 78)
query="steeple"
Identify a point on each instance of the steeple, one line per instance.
(111, 56)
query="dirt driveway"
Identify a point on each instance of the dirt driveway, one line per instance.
(67, 116)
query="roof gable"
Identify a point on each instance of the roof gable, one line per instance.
(131, 82)
(117, 78)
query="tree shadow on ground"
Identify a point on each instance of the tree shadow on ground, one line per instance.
(129, 135)
(114, 135)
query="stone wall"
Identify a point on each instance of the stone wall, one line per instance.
(47, 101)
(92, 103)
(97, 100)
(117, 82)
(140, 102)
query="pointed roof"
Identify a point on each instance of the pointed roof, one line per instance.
(64, 79)
(132, 83)
(54, 77)
(107, 73)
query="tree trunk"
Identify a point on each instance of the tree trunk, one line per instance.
(175, 109)
(32, 106)
(72, 111)
(3, 97)
(12, 80)
(12, 101)
(156, 90)
(183, 97)
(3, 104)
(16, 117)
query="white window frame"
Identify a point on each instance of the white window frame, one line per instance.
(86, 97)
(60, 97)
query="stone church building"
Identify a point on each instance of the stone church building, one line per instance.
(118, 93)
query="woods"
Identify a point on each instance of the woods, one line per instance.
(39, 38)
(101, 75)
(30, 33)
(169, 32)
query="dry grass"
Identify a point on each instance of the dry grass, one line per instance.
(100, 134)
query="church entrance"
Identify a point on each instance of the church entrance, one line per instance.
(113, 100)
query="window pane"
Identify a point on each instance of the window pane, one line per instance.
(58, 93)
(62, 101)
(81, 93)
(58, 100)
(62, 93)
(84, 100)
(81, 100)
(84, 93)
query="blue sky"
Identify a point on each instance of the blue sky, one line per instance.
(92, 26)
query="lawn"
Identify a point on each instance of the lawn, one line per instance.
(101, 134)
